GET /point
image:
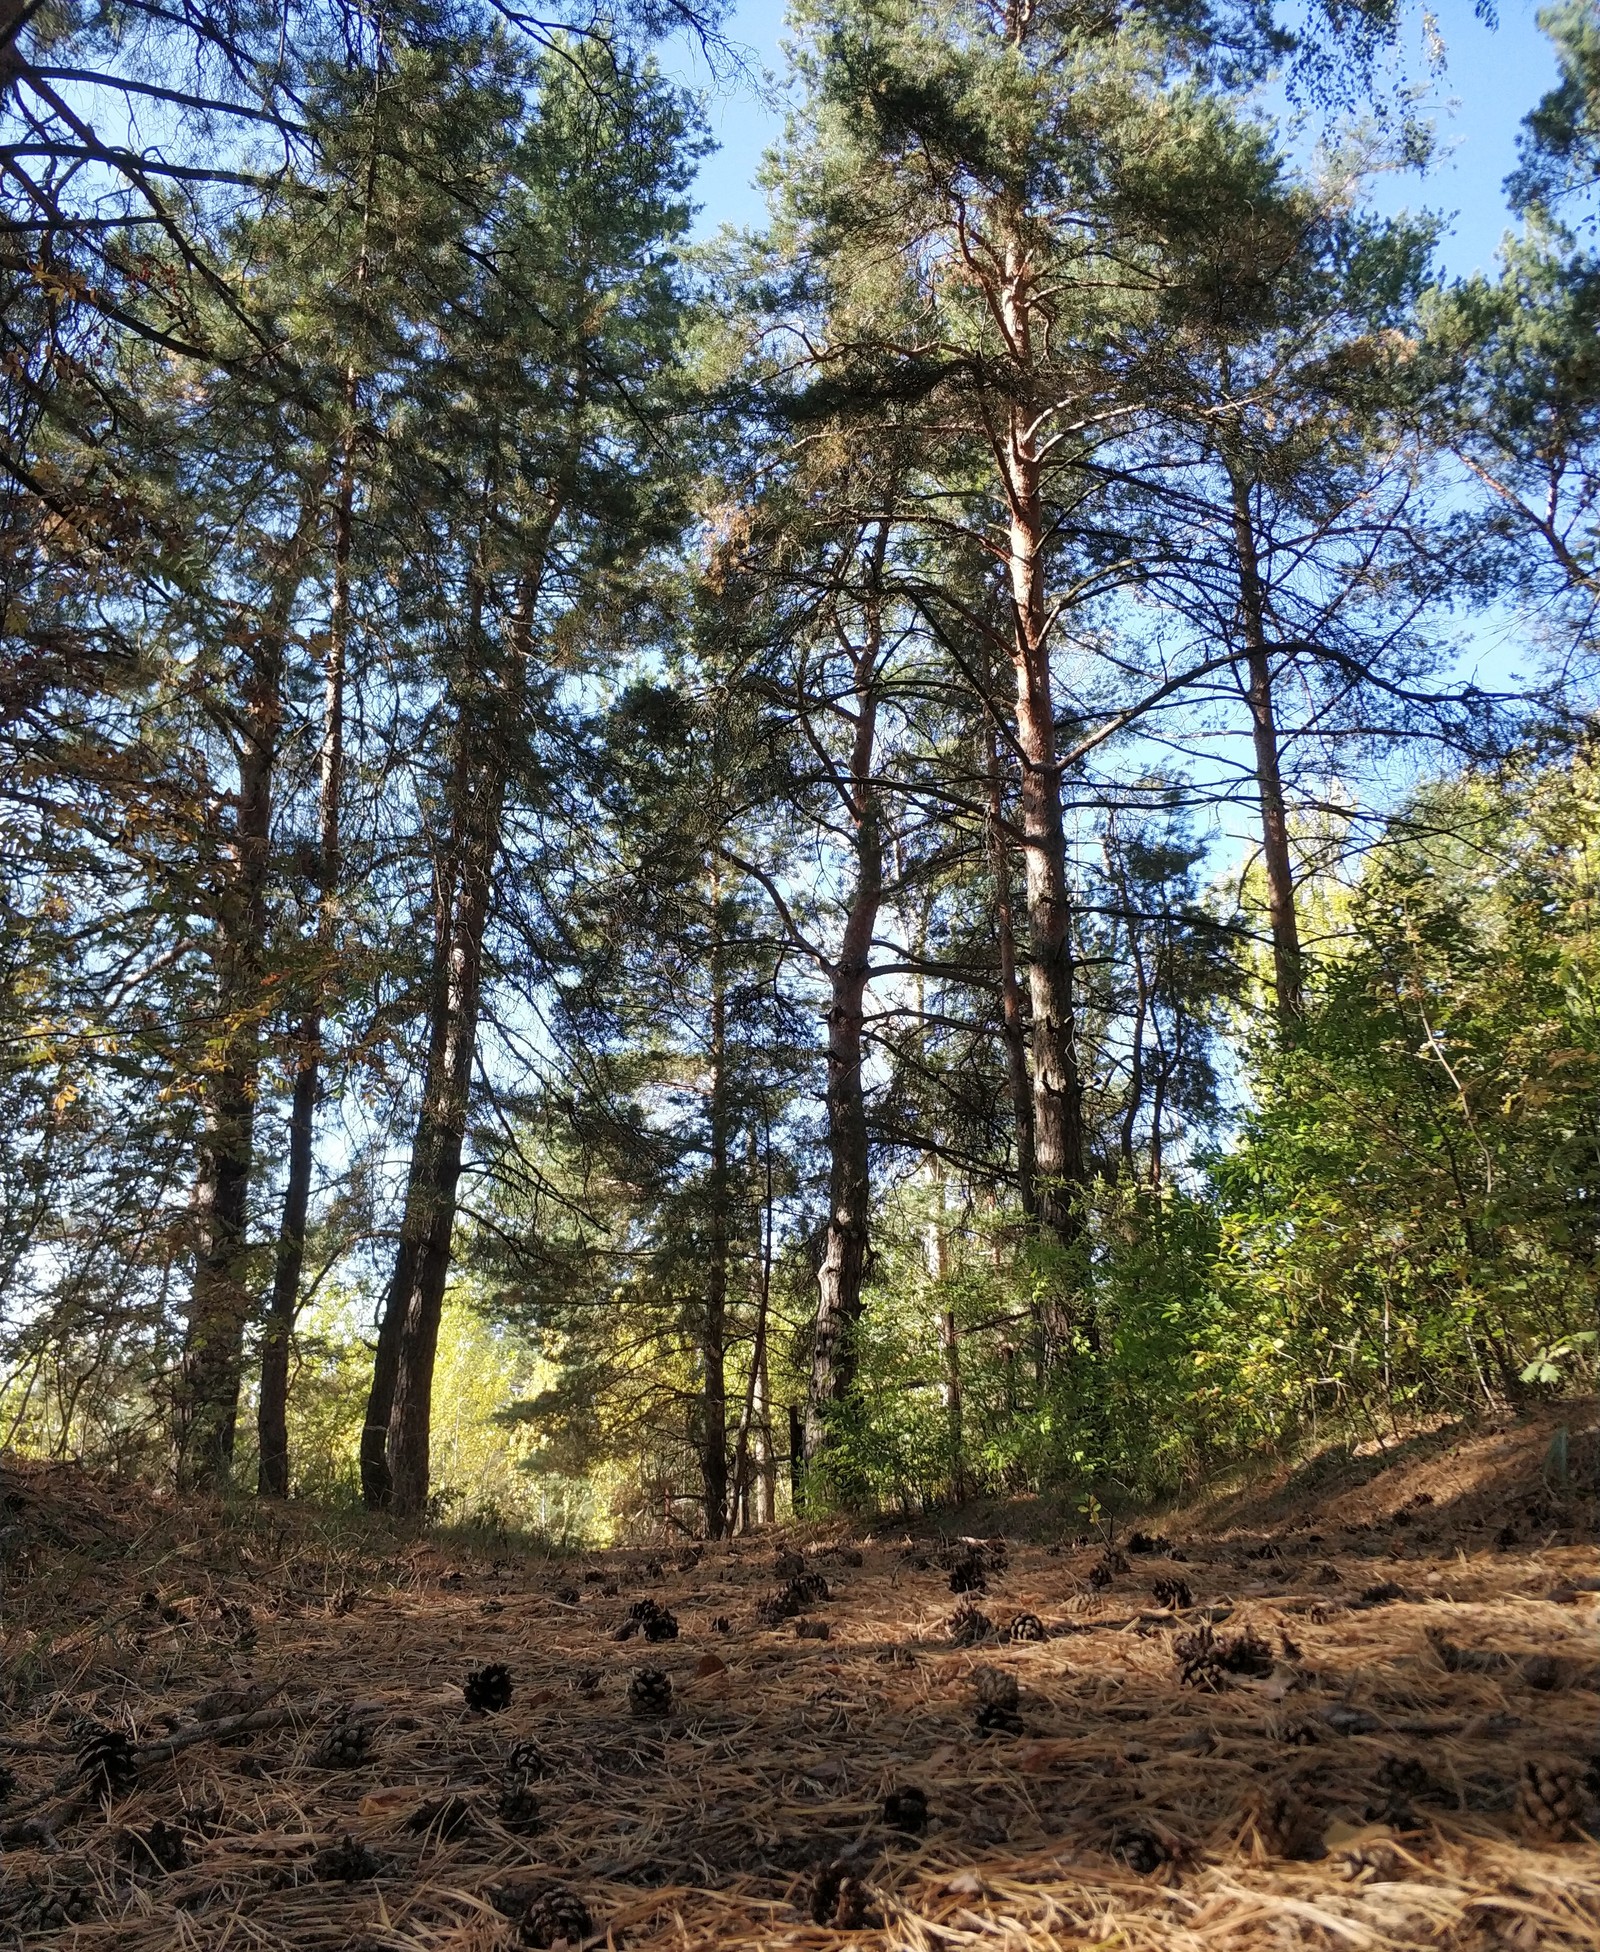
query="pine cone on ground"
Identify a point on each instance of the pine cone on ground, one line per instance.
(1101, 1576)
(8, 1782)
(1148, 1542)
(1027, 1626)
(790, 1601)
(160, 1846)
(967, 1626)
(839, 1898)
(106, 1762)
(1550, 1793)
(42, 1905)
(442, 1818)
(722, 1624)
(650, 1692)
(526, 1759)
(1172, 1593)
(650, 1618)
(1289, 1826)
(969, 1574)
(1198, 1660)
(1377, 1858)
(788, 1565)
(345, 1862)
(997, 1695)
(518, 1805)
(687, 1561)
(906, 1809)
(1142, 1850)
(555, 1916)
(1246, 1653)
(346, 1745)
(488, 1688)
(586, 1682)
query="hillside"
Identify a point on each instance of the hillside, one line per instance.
(1367, 1716)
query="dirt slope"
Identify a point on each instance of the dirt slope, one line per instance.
(1371, 1721)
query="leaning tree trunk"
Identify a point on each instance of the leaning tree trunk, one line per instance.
(206, 1405)
(1060, 1160)
(844, 1254)
(272, 1409)
(1287, 965)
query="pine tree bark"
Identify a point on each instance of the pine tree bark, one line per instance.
(1013, 1031)
(272, 1410)
(834, 1356)
(1287, 964)
(1060, 1160)
(206, 1399)
(714, 1381)
(395, 1438)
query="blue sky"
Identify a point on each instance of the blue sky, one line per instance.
(1493, 77)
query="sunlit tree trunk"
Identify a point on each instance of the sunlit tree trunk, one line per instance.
(714, 1378)
(206, 1405)
(1060, 1163)
(1287, 966)
(272, 1412)
(834, 1356)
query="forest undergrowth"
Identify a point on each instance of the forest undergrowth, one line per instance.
(1353, 1705)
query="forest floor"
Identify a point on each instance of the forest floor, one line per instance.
(1367, 1716)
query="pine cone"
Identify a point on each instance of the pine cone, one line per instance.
(1375, 1858)
(906, 1809)
(687, 1561)
(442, 1818)
(1101, 1575)
(804, 1590)
(1027, 1626)
(998, 1695)
(650, 1692)
(969, 1574)
(8, 1782)
(526, 1759)
(488, 1689)
(995, 1687)
(1141, 1850)
(788, 1565)
(518, 1805)
(1246, 1653)
(649, 1618)
(1148, 1542)
(161, 1846)
(586, 1682)
(346, 1745)
(1550, 1792)
(1289, 1826)
(106, 1761)
(839, 1898)
(1173, 1593)
(1198, 1659)
(722, 1624)
(345, 1862)
(555, 1916)
(37, 1905)
(967, 1626)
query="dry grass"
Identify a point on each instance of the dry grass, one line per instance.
(1368, 1791)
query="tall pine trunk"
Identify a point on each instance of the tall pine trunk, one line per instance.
(272, 1410)
(834, 1355)
(1287, 966)
(714, 1380)
(206, 1405)
(1060, 1160)
(1013, 1031)
(395, 1436)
